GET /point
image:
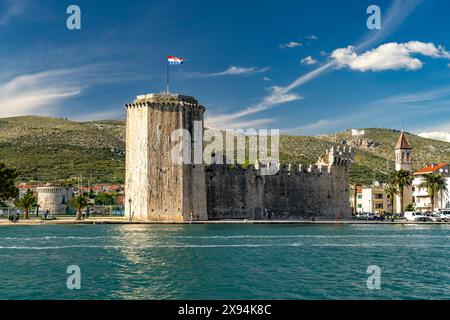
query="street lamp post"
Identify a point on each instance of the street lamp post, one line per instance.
(129, 213)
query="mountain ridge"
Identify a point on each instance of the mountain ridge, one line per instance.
(48, 149)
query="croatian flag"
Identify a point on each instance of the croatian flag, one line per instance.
(175, 60)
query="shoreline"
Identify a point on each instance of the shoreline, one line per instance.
(118, 221)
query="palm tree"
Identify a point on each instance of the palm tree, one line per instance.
(434, 183)
(79, 202)
(354, 194)
(401, 179)
(26, 203)
(391, 191)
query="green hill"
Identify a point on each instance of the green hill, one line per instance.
(49, 149)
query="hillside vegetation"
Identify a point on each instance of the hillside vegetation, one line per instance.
(50, 149)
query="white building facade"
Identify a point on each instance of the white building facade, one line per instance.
(372, 199)
(421, 198)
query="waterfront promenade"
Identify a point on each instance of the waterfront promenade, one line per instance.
(119, 220)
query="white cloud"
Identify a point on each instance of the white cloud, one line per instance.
(308, 61)
(36, 93)
(230, 71)
(312, 37)
(389, 56)
(267, 79)
(396, 14)
(436, 135)
(292, 44)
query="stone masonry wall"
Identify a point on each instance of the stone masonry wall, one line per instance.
(159, 189)
(235, 193)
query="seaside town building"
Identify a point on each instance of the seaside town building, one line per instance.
(373, 199)
(421, 199)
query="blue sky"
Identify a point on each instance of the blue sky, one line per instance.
(270, 64)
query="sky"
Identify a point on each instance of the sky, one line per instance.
(304, 67)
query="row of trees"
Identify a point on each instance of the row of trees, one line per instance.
(9, 191)
(29, 200)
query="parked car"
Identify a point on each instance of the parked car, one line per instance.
(444, 215)
(378, 216)
(364, 216)
(428, 216)
(414, 216)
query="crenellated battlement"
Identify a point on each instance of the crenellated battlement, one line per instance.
(335, 157)
(165, 101)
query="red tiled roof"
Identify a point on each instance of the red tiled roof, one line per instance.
(431, 168)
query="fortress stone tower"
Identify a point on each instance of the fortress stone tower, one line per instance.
(156, 188)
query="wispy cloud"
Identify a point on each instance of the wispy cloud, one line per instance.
(36, 93)
(40, 93)
(276, 98)
(230, 71)
(389, 56)
(394, 17)
(417, 97)
(312, 37)
(10, 9)
(290, 45)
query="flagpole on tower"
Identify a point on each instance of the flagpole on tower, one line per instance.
(167, 75)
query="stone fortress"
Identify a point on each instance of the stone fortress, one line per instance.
(159, 190)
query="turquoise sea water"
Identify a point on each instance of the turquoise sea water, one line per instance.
(225, 261)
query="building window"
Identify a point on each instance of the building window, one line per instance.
(359, 196)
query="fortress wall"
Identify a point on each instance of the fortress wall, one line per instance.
(291, 194)
(194, 190)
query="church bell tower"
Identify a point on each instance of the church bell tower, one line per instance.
(403, 154)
